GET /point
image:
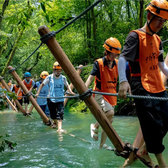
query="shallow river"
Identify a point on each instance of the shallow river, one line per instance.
(39, 146)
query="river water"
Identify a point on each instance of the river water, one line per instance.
(39, 146)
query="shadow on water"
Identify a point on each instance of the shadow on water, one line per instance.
(40, 146)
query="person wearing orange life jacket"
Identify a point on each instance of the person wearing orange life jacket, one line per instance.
(144, 52)
(16, 89)
(29, 83)
(105, 73)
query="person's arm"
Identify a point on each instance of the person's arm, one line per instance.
(122, 69)
(163, 67)
(129, 53)
(69, 89)
(89, 80)
(66, 84)
(124, 86)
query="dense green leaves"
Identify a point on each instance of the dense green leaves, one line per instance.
(5, 142)
(82, 41)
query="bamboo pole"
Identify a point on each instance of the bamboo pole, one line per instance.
(138, 142)
(11, 104)
(80, 86)
(16, 101)
(79, 70)
(31, 98)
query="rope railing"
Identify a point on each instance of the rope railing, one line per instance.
(133, 96)
(103, 93)
(79, 16)
(29, 56)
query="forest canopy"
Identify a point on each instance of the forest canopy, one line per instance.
(82, 41)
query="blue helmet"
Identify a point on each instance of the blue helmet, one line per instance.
(27, 74)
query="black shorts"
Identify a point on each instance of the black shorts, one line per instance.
(153, 117)
(56, 109)
(26, 99)
(20, 101)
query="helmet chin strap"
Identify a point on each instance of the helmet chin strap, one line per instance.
(148, 24)
(57, 75)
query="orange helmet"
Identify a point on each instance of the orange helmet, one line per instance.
(159, 8)
(44, 74)
(9, 84)
(112, 45)
(56, 65)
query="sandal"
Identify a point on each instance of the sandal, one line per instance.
(54, 126)
(144, 158)
(108, 147)
(93, 132)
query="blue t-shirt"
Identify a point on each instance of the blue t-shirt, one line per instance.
(56, 87)
(43, 93)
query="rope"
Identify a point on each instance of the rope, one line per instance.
(88, 93)
(62, 97)
(78, 67)
(164, 41)
(29, 56)
(45, 38)
(133, 96)
(79, 16)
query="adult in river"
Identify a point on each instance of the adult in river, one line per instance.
(105, 74)
(144, 52)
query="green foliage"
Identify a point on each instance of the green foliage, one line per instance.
(5, 142)
(82, 41)
(77, 106)
(3, 103)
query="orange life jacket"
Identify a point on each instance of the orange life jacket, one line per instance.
(108, 81)
(16, 91)
(148, 60)
(28, 85)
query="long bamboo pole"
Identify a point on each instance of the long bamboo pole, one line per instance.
(79, 70)
(78, 83)
(16, 101)
(138, 142)
(31, 98)
(11, 104)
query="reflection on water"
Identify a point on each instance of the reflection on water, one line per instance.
(40, 146)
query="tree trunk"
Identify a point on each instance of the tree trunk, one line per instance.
(128, 9)
(141, 13)
(12, 52)
(5, 4)
(94, 26)
(88, 30)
